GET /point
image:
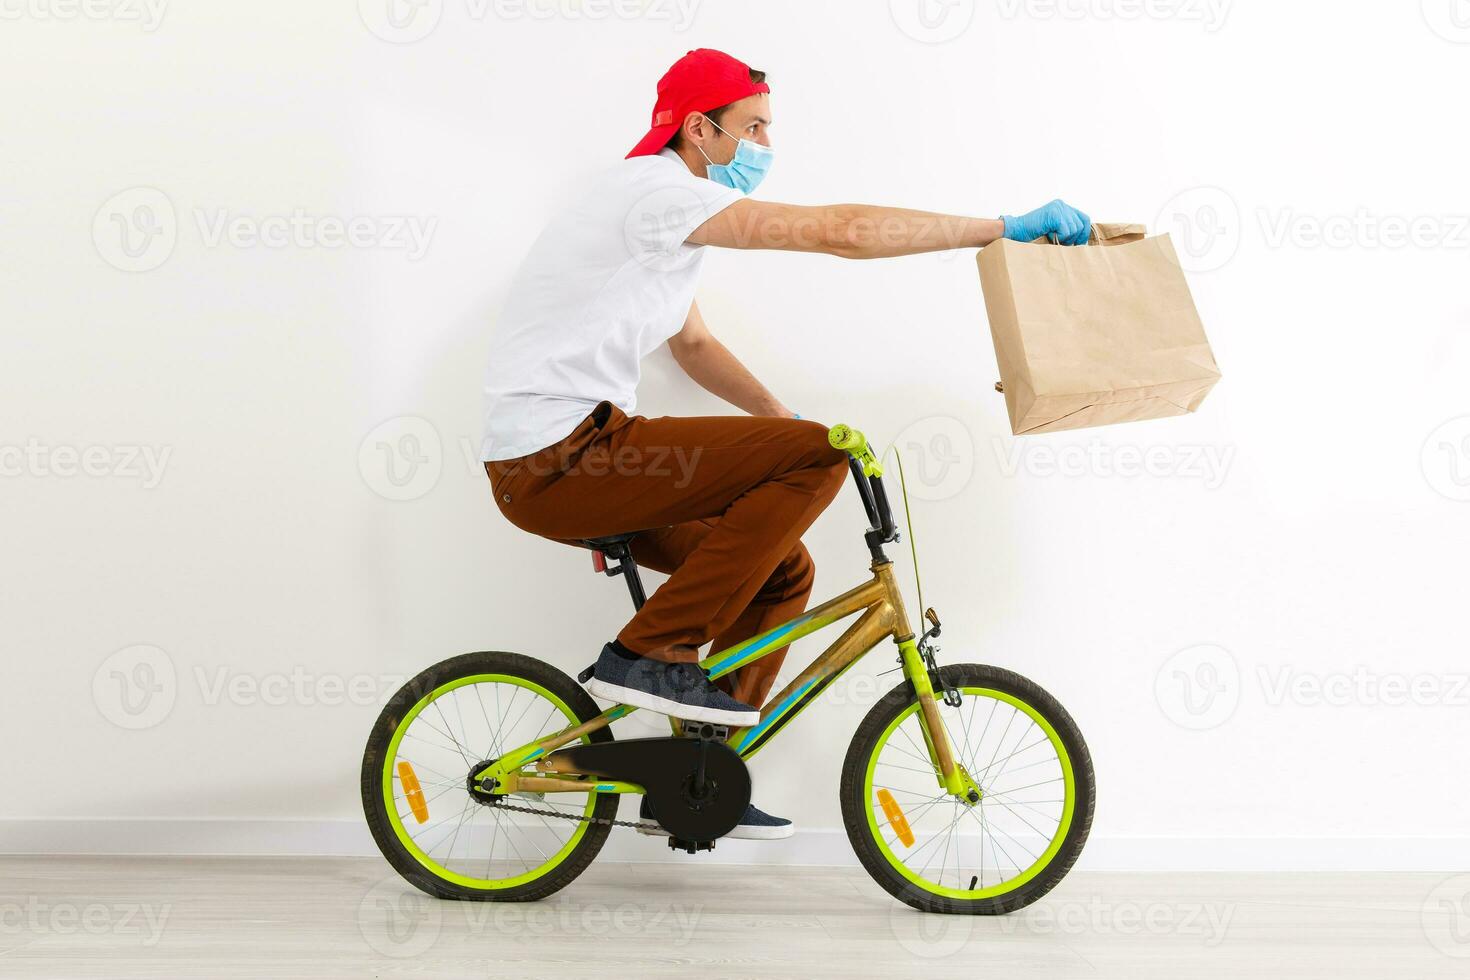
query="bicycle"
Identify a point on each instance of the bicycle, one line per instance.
(516, 741)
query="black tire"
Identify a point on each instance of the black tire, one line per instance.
(375, 807)
(855, 805)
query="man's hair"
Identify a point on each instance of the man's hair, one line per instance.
(718, 115)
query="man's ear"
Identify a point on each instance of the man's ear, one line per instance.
(696, 127)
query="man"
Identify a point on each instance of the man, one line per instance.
(722, 501)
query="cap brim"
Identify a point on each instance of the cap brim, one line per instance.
(656, 139)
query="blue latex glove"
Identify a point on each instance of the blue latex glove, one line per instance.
(1059, 218)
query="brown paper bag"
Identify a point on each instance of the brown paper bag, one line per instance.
(1091, 335)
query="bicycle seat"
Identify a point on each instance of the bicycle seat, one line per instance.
(608, 541)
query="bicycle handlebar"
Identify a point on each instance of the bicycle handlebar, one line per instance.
(848, 438)
(867, 473)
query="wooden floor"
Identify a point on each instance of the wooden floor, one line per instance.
(329, 917)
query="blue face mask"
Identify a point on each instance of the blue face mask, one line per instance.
(746, 169)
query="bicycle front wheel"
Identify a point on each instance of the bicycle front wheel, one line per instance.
(935, 852)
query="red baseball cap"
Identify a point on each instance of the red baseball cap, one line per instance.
(702, 80)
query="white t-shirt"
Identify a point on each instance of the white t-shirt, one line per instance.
(610, 279)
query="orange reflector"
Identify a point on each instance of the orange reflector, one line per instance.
(896, 819)
(410, 782)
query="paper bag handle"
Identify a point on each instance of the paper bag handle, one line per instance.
(1105, 233)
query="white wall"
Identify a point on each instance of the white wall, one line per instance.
(1327, 541)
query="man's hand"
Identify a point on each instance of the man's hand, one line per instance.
(1059, 218)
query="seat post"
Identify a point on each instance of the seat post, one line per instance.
(635, 582)
(623, 553)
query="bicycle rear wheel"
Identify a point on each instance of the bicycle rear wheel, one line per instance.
(934, 852)
(442, 726)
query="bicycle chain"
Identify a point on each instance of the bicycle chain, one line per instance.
(581, 817)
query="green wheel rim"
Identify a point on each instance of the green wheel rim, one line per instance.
(1069, 786)
(389, 777)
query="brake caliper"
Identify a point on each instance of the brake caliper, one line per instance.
(927, 649)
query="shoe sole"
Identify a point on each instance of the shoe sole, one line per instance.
(755, 832)
(674, 709)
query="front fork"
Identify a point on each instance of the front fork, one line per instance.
(951, 775)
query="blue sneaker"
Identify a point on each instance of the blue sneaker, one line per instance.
(759, 825)
(678, 690)
(755, 825)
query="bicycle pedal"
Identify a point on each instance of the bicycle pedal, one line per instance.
(586, 675)
(690, 846)
(704, 729)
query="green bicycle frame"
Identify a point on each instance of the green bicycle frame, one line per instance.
(882, 614)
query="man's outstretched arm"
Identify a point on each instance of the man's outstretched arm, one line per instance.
(867, 231)
(718, 371)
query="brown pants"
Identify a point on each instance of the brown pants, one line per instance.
(725, 501)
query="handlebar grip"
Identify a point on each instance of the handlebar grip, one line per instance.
(847, 438)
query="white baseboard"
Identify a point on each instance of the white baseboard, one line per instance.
(823, 847)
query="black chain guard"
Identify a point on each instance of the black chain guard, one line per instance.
(665, 768)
